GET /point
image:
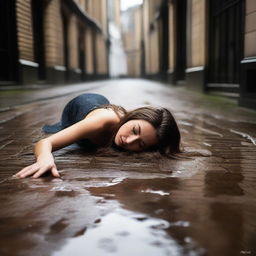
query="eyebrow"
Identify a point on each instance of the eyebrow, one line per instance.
(143, 143)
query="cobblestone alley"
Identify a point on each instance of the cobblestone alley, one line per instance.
(131, 204)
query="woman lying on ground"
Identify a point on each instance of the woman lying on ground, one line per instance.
(92, 122)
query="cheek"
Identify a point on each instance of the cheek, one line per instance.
(123, 130)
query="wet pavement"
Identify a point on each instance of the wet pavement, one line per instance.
(131, 204)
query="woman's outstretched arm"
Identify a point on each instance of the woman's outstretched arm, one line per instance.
(44, 161)
(88, 128)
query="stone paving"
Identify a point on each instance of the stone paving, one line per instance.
(131, 204)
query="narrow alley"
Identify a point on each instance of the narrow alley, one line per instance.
(197, 59)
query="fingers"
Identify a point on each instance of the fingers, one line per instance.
(22, 170)
(27, 171)
(37, 171)
(55, 172)
(40, 172)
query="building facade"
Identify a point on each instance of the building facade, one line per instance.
(208, 45)
(53, 41)
(132, 34)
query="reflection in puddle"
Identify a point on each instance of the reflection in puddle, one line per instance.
(185, 123)
(180, 223)
(159, 192)
(124, 233)
(207, 144)
(208, 131)
(245, 135)
(63, 188)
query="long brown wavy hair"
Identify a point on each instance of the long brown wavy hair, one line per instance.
(161, 119)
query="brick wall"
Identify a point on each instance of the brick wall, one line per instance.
(197, 33)
(98, 11)
(250, 29)
(89, 51)
(101, 58)
(73, 42)
(24, 30)
(171, 37)
(53, 34)
(154, 52)
(151, 39)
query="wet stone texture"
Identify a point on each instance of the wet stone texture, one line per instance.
(133, 204)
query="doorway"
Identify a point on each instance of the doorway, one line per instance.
(8, 43)
(181, 54)
(38, 32)
(225, 48)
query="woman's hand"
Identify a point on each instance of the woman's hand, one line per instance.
(43, 164)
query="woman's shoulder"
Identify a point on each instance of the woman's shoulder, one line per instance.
(107, 115)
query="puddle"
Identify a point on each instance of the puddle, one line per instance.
(126, 233)
(136, 204)
(245, 135)
(158, 192)
(207, 144)
(208, 131)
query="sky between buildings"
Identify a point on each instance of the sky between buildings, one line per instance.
(125, 4)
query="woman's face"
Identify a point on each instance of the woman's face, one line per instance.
(136, 135)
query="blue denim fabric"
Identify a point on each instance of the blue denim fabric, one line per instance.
(76, 110)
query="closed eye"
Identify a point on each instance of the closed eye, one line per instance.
(142, 144)
(134, 130)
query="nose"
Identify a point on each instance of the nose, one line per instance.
(132, 138)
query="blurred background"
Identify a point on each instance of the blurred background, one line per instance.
(206, 45)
